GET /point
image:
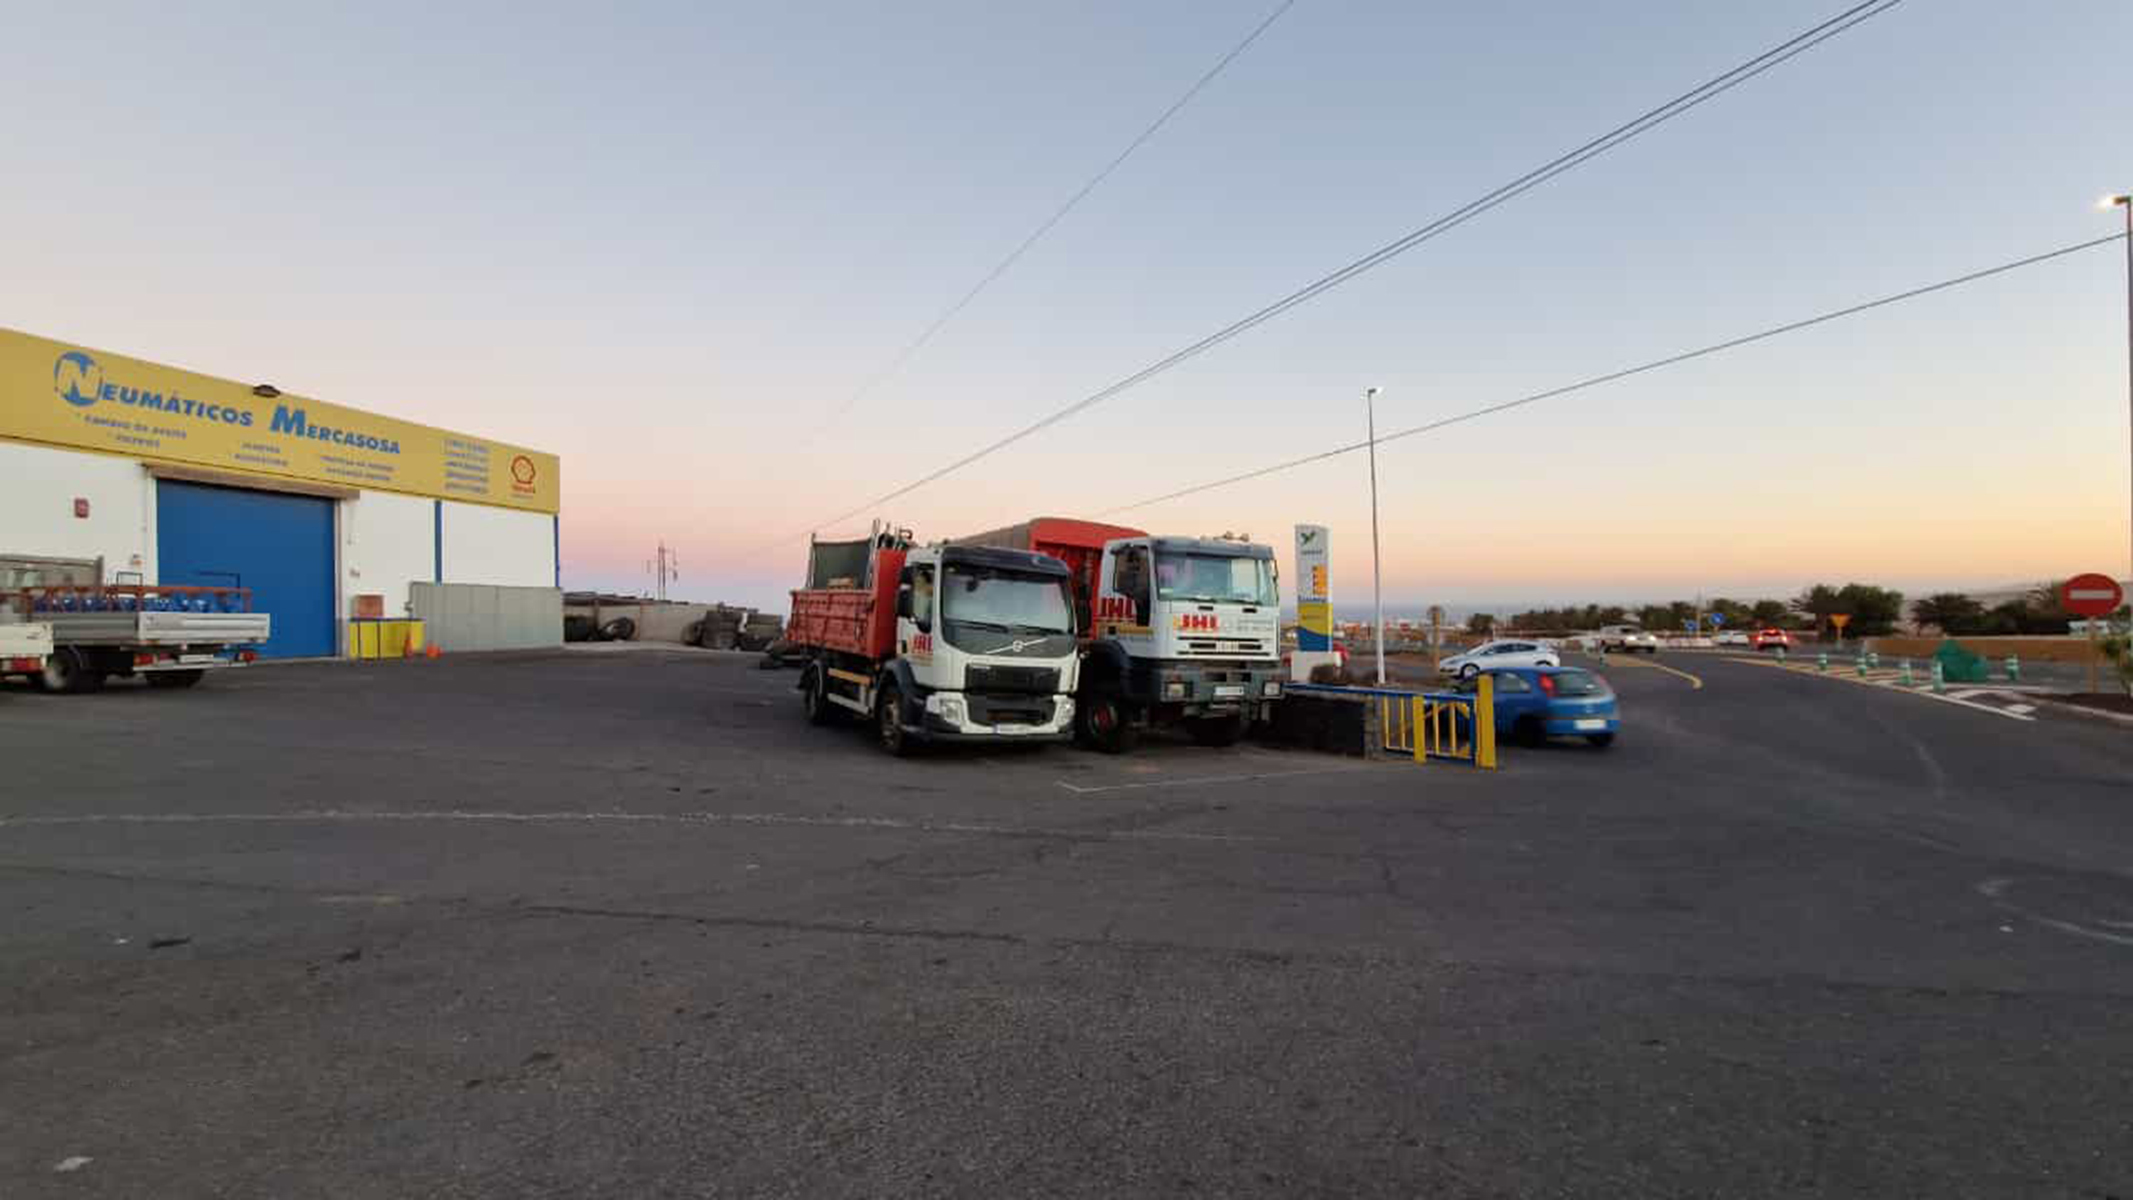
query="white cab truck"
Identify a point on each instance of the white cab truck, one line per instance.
(1179, 630)
(171, 637)
(937, 643)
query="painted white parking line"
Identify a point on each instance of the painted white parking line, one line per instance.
(693, 818)
(1079, 790)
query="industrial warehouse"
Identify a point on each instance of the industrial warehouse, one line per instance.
(116, 471)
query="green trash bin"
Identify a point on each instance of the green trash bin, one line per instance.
(1959, 665)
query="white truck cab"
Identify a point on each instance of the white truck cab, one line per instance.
(987, 645)
(1182, 629)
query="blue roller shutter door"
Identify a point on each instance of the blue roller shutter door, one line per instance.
(280, 546)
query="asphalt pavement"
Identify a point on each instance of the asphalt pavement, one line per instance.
(625, 925)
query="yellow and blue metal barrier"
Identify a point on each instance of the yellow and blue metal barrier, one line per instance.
(1431, 725)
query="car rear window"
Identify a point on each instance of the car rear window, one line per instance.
(1577, 683)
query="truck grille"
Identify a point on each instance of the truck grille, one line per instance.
(1011, 709)
(1038, 681)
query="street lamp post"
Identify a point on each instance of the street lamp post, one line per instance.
(1377, 579)
(2125, 201)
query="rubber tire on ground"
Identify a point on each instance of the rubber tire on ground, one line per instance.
(692, 633)
(621, 629)
(174, 679)
(1216, 731)
(814, 699)
(67, 669)
(1600, 741)
(1106, 723)
(889, 722)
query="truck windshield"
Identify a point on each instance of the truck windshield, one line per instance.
(1215, 579)
(994, 599)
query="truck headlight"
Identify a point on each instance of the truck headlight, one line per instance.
(1272, 690)
(952, 710)
(1174, 690)
(1065, 709)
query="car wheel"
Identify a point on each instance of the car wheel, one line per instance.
(1600, 741)
(1107, 724)
(1469, 671)
(889, 722)
(68, 669)
(814, 697)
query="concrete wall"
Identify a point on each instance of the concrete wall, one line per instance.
(38, 487)
(388, 542)
(498, 546)
(466, 617)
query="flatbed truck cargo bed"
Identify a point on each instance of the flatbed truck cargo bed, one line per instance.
(169, 636)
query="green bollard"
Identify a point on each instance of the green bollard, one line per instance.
(1822, 662)
(1908, 681)
(1781, 654)
(2014, 669)
(1940, 678)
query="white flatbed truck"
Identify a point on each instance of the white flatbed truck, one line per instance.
(24, 646)
(169, 636)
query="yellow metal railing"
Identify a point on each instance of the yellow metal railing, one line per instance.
(1431, 725)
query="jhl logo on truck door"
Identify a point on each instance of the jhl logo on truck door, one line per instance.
(1196, 623)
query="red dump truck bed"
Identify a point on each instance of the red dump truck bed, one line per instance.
(851, 614)
(1078, 544)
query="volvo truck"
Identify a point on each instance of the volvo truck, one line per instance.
(938, 643)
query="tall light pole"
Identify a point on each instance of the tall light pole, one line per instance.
(1377, 578)
(2125, 201)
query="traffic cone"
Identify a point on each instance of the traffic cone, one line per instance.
(434, 651)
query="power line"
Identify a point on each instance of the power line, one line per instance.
(1612, 376)
(911, 349)
(1782, 52)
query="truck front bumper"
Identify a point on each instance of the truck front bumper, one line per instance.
(959, 717)
(1195, 689)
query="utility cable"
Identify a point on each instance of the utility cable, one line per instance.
(1780, 53)
(1612, 376)
(904, 356)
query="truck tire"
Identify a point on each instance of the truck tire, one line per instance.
(814, 698)
(889, 722)
(621, 629)
(1106, 723)
(69, 669)
(1216, 731)
(174, 679)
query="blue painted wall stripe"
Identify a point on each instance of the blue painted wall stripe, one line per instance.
(437, 539)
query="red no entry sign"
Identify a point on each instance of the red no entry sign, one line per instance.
(2091, 595)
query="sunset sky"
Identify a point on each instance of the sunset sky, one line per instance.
(668, 241)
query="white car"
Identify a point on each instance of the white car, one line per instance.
(1627, 638)
(1731, 637)
(1499, 654)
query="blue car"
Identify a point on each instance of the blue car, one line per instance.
(1534, 704)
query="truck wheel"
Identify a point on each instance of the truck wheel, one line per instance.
(174, 679)
(889, 721)
(814, 697)
(1216, 731)
(68, 669)
(1107, 724)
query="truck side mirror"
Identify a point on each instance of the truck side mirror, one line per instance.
(903, 600)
